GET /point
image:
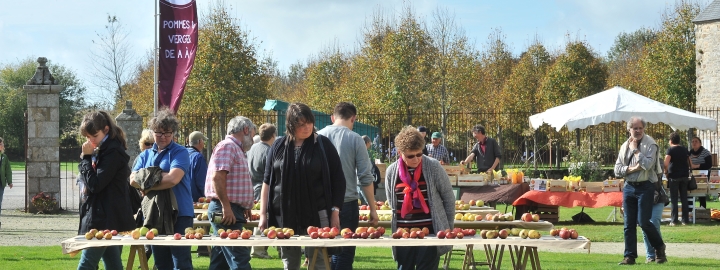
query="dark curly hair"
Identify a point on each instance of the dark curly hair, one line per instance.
(409, 139)
(164, 120)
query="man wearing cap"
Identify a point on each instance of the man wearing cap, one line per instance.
(198, 164)
(436, 150)
(423, 131)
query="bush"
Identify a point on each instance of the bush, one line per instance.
(44, 203)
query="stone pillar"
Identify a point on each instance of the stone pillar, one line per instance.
(43, 145)
(131, 123)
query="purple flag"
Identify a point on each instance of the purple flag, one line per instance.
(178, 44)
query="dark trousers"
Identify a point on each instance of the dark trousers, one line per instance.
(348, 219)
(174, 257)
(679, 186)
(638, 204)
(417, 258)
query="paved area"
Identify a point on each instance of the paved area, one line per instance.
(69, 197)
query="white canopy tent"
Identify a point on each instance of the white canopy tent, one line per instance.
(618, 104)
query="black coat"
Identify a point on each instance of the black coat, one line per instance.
(108, 203)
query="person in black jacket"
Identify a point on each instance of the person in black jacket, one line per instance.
(701, 160)
(104, 172)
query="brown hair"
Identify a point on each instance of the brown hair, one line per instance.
(297, 114)
(344, 110)
(409, 139)
(267, 131)
(164, 120)
(93, 122)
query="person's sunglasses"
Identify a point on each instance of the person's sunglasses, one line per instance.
(413, 156)
(148, 144)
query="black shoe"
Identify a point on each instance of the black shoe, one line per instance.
(660, 256)
(627, 261)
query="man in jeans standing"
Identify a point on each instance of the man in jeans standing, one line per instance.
(358, 173)
(229, 185)
(637, 163)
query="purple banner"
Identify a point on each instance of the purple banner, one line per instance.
(178, 44)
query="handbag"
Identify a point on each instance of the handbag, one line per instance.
(692, 184)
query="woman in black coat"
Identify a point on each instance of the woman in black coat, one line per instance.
(104, 172)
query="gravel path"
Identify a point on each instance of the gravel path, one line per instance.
(23, 229)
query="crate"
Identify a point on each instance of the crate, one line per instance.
(702, 215)
(557, 185)
(713, 188)
(612, 185)
(453, 179)
(538, 184)
(471, 180)
(549, 213)
(460, 170)
(591, 186)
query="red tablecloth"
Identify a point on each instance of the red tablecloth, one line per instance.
(571, 199)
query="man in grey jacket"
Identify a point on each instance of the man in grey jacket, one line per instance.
(358, 173)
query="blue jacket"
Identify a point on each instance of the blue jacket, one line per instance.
(197, 173)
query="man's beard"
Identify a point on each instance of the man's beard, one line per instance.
(247, 142)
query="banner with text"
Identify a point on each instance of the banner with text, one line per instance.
(178, 44)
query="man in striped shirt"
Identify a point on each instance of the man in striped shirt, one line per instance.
(229, 185)
(438, 151)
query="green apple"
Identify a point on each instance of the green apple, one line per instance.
(479, 203)
(143, 230)
(155, 231)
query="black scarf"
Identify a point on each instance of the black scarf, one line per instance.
(696, 153)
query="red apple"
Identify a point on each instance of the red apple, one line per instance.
(280, 235)
(459, 235)
(233, 235)
(347, 235)
(440, 234)
(311, 229)
(314, 235)
(573, 234)
(420, 235)
(114, 232)
(223, 235)
(149, 235)
(381, 229)
(272, 234)
(334, 231)
(483, 234)
(177, 236)
(413, 234)
(364, 235)
(360, 230)
(565, 234)
(554, 232)
(450, 235)
(503, 234)
(325, 235)
(396, 235)
(527, 217)
(198, 236)
(406, 235)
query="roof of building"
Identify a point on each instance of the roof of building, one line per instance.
(710, 13)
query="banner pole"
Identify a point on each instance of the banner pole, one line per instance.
(155, 61)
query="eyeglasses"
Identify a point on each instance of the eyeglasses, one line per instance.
(165, 134)
(148, 144)
(412, 156)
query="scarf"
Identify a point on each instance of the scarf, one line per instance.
(698, 152)
(296, 186)
(413, 195)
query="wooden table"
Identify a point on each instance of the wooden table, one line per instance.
(521, 250)
(540, 226)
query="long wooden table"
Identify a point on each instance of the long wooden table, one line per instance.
(491, 225)
(521, 250)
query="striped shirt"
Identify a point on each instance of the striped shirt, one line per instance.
(417, 217)
(229, 156)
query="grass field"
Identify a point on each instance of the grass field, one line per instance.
(366, 258)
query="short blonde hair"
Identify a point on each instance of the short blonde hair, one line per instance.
(146, 137)
(410, 139)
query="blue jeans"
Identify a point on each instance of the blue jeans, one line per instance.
(638, 204)
(174, 257)
(110, 255)
(657, 211)
(229, 257)
(348, 219)
(417, 258)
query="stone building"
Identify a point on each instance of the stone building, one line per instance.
(707, 57)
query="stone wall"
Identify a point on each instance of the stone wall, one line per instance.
(707, 55)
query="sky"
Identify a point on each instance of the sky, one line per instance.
(291, 31)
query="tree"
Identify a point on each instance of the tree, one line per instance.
(111, 63)
(141, 85)
(624, 59)
(497, 64)
(522, 89)
(577, 73)
(227, 75)
(669, 65)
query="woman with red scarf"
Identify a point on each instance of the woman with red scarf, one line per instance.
(420, 194)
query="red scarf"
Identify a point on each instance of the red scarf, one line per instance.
(413, 195)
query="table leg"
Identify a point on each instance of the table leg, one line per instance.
(534, 259)
(446, 261)
(493, 257)
(469, 259)
(140, 249)
(324, 254)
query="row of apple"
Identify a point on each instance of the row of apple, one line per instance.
(99, 235)
(564, 233)
(478, 203)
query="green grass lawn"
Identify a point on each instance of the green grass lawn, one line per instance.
(366, 258)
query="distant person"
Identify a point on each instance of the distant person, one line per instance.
(486, 152)
(423, 132)
(5, 173)
(256, 139)
(375, 170)
(637, 162)
(198, 164)
(230, 186)
(436, 150)
(678, 171)
(701, 160)
(420, 195)
(104, 172)
(357, 168)
(256, 159)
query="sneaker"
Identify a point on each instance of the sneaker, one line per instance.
(660, 256)
(627, 261)
(649, 260)
(672, 224)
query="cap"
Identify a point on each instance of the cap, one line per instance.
(422, 129)
(196, 136)
(436, 135)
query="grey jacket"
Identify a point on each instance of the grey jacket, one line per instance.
(159, 207)
(648, 162)
(441, 198)
(354, 159)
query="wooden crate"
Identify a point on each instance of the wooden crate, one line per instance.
(702, 215)
(460, 170)
(549, 213)
(471, 180)
(612, 185)
(453, 179)
(557, 185)
(592, 186)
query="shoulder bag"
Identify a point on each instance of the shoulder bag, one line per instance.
(692, 184)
